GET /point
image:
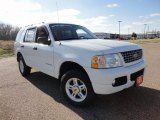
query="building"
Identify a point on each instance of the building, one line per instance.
(102, 35)
(149, 35)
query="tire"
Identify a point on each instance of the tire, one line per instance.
(23, 68)
(76, 88)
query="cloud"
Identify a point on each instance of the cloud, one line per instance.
(143, 17)
(25, 12)
(140, 16)
(113, 5)
(127, 26)
(149, 16)
(18, 12)
(28, 12)
(111, 15)
(137, 23)
(142, 23)
(154, 14)
(15, 5)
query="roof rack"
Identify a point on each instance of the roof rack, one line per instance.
(35, 24)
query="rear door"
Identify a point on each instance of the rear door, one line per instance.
(27, 48)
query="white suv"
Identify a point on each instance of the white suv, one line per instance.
(84, 64)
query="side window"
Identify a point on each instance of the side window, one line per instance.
(41, 32)
(42, 36)
(30, 35)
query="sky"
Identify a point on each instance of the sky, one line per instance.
(96, 15)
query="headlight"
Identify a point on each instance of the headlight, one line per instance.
(106, 61)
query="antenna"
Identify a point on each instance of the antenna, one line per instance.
(58, 19)
(57, 11)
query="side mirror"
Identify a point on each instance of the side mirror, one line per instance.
(44, 40)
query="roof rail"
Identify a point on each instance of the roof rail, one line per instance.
(35, 24)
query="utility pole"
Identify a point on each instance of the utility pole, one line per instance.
(155, 32)
(144, 29)
(147, 32)
(119, 28)
(57, 11)
(128, 33)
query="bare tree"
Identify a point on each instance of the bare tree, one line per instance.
(8, 32)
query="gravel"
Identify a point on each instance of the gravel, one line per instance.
(37, 97)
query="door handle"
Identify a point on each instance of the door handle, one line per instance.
(35, 48)
(22, 46)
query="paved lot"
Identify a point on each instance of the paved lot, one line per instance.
(38, 97)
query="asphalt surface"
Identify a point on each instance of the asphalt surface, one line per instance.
(37, 97)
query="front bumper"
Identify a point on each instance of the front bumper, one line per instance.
(102, 79)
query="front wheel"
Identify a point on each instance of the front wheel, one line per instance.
(76, 88)
(23, 68)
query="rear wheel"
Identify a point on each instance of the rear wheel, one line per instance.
(23, 68)
(76, 88)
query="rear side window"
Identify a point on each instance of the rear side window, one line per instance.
(30, 35)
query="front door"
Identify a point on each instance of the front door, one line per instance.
(43, 55)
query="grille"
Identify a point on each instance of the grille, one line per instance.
(131, 56)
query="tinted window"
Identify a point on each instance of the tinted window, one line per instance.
(30, 35)
(70, 32)
(41, 32)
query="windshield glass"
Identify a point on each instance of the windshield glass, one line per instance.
(70, 32)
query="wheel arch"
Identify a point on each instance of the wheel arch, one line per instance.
(18, 55)
(69, 65)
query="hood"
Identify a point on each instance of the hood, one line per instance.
(101, 45)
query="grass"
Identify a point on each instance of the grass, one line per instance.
(144, 41)
(6, 48)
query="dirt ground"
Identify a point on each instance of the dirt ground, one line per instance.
(37, 97)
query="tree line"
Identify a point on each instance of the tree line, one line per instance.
(8, 32)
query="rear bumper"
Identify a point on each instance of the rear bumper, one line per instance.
(102, 79)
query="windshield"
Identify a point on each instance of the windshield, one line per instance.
(70, 32)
